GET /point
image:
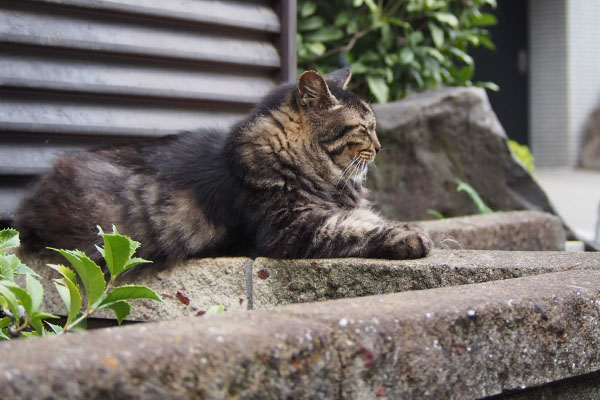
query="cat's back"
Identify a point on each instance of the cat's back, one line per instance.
(174, 194)
(80, 190)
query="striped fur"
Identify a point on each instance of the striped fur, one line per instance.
(286, 182)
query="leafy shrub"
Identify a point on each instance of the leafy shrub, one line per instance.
(523, 153)
(394, 47)
(20, 306)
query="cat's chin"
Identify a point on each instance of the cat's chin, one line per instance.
(361, 176)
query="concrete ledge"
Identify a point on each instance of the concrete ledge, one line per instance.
(240, 283)
(514, 230)
(460, 342)
(279, 282)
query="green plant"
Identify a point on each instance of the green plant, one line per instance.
(463, 186)
(20, 306)
(394, 47)
(215, 310)
(522, 152)
(435, 213)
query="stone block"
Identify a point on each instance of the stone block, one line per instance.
(187, 289)
(431, 139)
(240, 283)
(513, 230)
(277, 282)
(462, 342)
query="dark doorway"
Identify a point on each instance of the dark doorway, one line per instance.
(507, 66)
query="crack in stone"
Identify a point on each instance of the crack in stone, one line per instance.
(249, 282)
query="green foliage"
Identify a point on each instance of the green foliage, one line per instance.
(435, 213)
(463, 186)
(522, 152)
(394, 47)
(20, 306)
(216, 309)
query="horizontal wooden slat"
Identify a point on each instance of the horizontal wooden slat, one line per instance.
(62, 72)
(25, 25)
(10, 196)
(251, 15)
(29, 155)
(87, 116)
(76, 74)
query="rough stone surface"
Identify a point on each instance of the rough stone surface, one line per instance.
(460, 342)
(187, 289)
(590, 151)
(239, 283)
(429, 140)
(516, 230)
(585, 387)
(301, 281)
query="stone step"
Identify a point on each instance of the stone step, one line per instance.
(460, 342)
(513, 230)
(241, 283)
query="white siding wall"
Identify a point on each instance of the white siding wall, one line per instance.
(583, 55)
(548, 81)
(564, 43)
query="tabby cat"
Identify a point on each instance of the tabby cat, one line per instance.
(286, 182)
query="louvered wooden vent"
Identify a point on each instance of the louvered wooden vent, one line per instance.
(79, 73)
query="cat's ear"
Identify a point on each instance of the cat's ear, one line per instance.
(313, 90)
(339, 78)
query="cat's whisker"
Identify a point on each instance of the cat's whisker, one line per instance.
(349, 177)
(346, 170)
(363, 172)
(343, 173)
(353, 172)
(366, 171)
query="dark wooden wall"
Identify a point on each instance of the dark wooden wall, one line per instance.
(81, 73)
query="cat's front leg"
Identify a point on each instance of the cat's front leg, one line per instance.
(362, 233)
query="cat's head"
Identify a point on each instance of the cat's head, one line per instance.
(340, 122)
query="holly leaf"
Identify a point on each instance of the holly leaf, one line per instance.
(128, 292)
(89, 272)
(121, 309)
(118, 250)
(36, 291)
(69, 292)
(9, 238)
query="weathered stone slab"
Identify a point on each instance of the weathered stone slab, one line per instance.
(515, 230)
(585, 387)
(278, 282)
(460, 342)
(189, 289)
(239, 283)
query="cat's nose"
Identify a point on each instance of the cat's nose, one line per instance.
(376, 145)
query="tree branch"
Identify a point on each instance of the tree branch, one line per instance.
(347, 47)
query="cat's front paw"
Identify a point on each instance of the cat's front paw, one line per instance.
(415, 245)
(404, 242)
